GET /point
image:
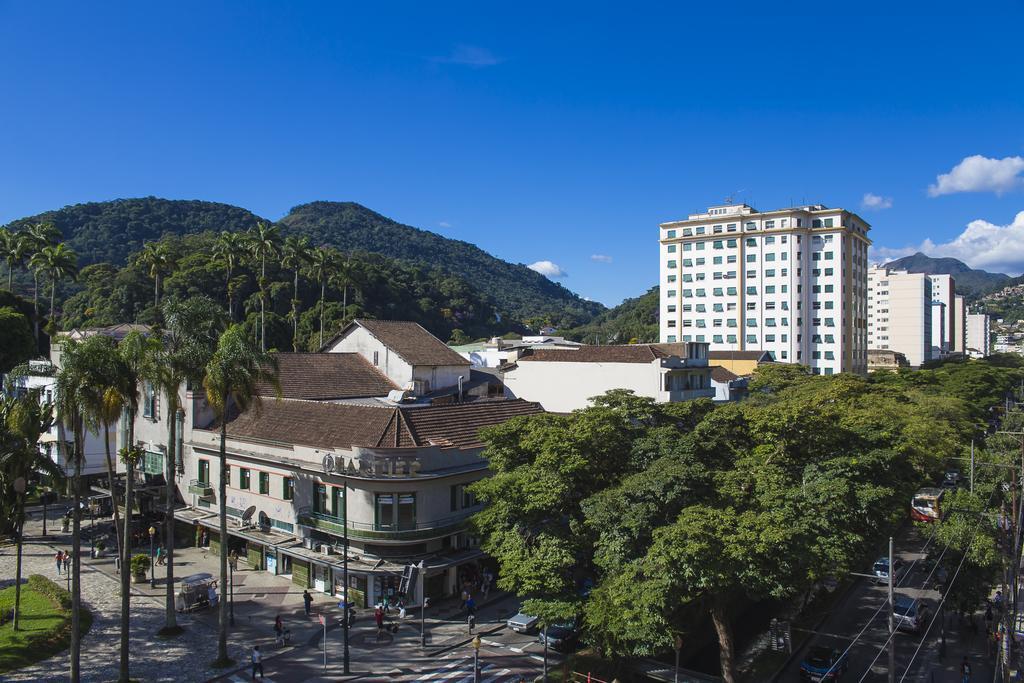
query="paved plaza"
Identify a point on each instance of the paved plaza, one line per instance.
(259, 598)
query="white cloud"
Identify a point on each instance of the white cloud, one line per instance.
(874, 202)
(601, 258)
(444, 224)
(980, 174)
(984, 245)
(548, 269)
(469, 55)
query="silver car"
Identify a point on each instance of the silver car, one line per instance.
(522, 622)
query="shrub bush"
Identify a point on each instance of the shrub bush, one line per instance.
(140, 564)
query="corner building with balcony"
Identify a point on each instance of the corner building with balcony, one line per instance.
(385, 420)
(791, 282)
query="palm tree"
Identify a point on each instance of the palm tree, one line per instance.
(136, 351)
(322, 265)
(343, 276)
(22, 421)
(58, 262)
(13, 246)
(232, 378)
(36, 238)
(73, 389)
(228, 250)
(187, 342)
(263, 244)
(156, 257)
(295, 254)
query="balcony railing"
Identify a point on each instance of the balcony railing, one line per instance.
(691, 394)
(200, 488)
(384, 532)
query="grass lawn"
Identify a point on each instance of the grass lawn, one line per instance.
(40, 623)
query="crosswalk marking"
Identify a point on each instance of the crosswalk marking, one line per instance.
(461, 670)
(239, 678)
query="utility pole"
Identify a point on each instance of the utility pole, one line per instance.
(892, 620)
(344, 571)
(972, 465)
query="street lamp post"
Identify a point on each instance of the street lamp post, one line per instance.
(344, 566)
(424, 603)
(545, 652)
(476, 659)
(231, 583)
(678, 646)
(152, 558)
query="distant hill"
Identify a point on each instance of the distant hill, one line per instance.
(108, 232)
(516, 290)
(969, 282)
(632, 320)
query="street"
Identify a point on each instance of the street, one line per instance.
(860, 622)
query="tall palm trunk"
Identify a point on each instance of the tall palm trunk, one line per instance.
(322, 290)
(263, 304)
(231, 304)
(222, 631)
(344, 303)
(156, 290)
(126, 551)
(10, 277)
(76, 552)
(53, 296)
(295, 313)
(35, 304)
(113, 494)
(170, 618)
(17, 572)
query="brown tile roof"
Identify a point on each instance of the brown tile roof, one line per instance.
(619, 353)
(344, 425)
(459, 425)
(720, 374)
(739, 355)
(326, 376)
(412, 342)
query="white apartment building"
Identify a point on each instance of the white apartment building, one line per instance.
(563, 380)
(900, 310)
(943, 314)
(959, 324)
(792, 282)
(978, 335)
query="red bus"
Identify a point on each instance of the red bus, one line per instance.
(926, 506)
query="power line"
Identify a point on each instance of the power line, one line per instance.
(910, 570)
(927, 579)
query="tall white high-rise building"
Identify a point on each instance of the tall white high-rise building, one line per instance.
(978, 335)
(792, 282)
(943, 314)
(900, 313)
(959, 324)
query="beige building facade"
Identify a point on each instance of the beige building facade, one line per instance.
(900, 313)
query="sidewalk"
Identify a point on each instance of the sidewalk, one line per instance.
(259, 597)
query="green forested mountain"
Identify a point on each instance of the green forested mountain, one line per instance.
(379, 287)
(969, 282)
(634, 320)
(108, 232)
(111, 232)
(516, 290)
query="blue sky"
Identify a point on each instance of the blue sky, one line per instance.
(539, 131)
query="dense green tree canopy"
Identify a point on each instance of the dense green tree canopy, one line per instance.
(676, 513)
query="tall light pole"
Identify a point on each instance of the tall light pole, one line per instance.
(330, 466)
(152, 558)
(892, 620)
(545, 652)
(231, 583)
(424, 602)
(476, 659)
(678, 643)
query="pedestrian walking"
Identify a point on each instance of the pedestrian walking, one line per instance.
(60, 561)
(465, 597)
(470, 605)
(257, 662)
(378, 617)
(965, 671)
(233, 561)
(278, 631)
(67, 561)
(401, 611)
(307, 600)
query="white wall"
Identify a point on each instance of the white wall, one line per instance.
(978, 335)
(359, 340)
